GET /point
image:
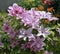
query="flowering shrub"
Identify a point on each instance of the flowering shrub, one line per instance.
(29, 31)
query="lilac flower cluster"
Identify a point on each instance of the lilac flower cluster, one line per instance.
(29, 17)
(16, 10)
(35, 44)
(26, 34)
(32, 19)
(9, 30)
(43, 31)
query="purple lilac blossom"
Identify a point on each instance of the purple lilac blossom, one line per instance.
(31, 18)
(47, 52)
(43, 31)
(16, 10)
(12, 39)
(26, 33)
(34, 44)
(46, 15)
(14, 44)
(8, 29)
(52, 19)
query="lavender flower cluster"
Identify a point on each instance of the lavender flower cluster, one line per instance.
(32, 19)
(29, 17)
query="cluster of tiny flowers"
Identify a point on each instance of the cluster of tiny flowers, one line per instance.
(35, 44)
(29, 17)
(32, 19)
(10, 31)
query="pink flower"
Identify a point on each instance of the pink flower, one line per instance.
(31, 18)
(47, 52)
(7, 28)
(15, 10)
(26, 34)
(43, 31)
(52, 19)
(47, 15)
(44, 14)
(14, 44)
(34, 44)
